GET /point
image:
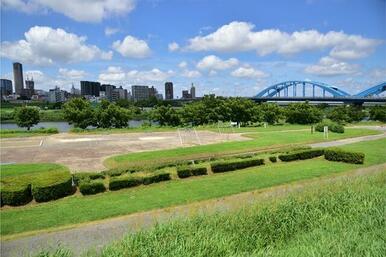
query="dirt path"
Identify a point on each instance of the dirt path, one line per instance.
(349, 140)
(95, 235)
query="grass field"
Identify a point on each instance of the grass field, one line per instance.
(6, 115)
(346, 218)
(76, 209)
(9, 133)
(259, 141)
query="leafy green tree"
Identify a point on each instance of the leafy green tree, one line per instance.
(166, 115)
(79, 112)
(339, 114)
(303, 113)
(271, 112)
(378, 113)
(26, 117)
(240, 110)
(110, 115)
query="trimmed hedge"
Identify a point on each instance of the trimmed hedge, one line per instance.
(338, 155)
(273, 158)
(119, 172)
(187, 171)
(223, 166)
(301, 155)
(332, 126)
(16, 196)
(44, 193)
(87, 176)
(156, 177)
(117, 183)
(92, 187)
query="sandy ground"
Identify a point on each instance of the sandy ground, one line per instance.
(87, 152)
(95, 235)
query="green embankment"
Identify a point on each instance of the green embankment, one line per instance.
(259, 141)
(76, 209)
(9, 133)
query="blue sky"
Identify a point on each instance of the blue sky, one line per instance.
(222, 46)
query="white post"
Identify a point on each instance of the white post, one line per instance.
(197, 137)
(265, 124)
(325, 132)
(179, 135)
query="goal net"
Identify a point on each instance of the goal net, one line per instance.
(188, 136)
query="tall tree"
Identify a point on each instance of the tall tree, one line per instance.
(79, 112)
(26, 117)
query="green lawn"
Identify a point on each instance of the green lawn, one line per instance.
(9, 133)
(260, 141)
(76, 209)
(11, 170)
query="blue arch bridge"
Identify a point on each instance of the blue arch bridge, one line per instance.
(298, 90)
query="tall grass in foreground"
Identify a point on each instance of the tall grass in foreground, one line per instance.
(346, 218)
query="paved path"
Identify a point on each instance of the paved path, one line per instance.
(97, 234)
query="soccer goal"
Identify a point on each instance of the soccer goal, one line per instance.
(188, 136)
(225, 128)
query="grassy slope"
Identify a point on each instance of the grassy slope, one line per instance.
(261, 140)
(76, 209)
(10, 133)
(27, 168)
(342, 219)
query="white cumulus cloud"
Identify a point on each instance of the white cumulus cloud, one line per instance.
(45, 45)
(173, 47)
(132, 47)
(111, 31)
(72, 74)
(239, 36)
(248, 72)
(112, 74)
(328, 66)
(191, 74)
(149, 75)
(212, 62)
(79, 10)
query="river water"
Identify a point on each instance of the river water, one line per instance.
(62, 126)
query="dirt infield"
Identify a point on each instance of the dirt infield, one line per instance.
(87, 152)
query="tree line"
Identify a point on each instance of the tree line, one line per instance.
(210, 109)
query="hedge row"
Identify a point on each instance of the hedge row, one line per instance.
(332, 126)
(16, 196)
(44, 193)
(87, 176)
(223, 166)
(92, 187)
(301, 155)
(119, 172)
(273, 158)
(117, 183)
(337, 155)
(187, 171)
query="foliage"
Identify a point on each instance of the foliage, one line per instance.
(303, 113)
(271, 112)
(43, 192)
(156, 177)
(378, 113)
(92, 187)
(343, 114)
(26, 117)
(166, 116)
(124, 181)
(338, 155)
(190, 170)
(110, 115)
(273, 159)
(301, 155)
(16, 195)
(87, 176)
(332, 126)
(223, 166)
(79, 112)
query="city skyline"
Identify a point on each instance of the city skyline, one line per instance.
(336, 42)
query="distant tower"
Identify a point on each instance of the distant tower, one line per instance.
(169, 91)
(18, 77)
(193, 92)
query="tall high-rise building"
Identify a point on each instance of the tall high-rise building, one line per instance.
(140, 92)
(29, 89)
(18, 77)
(6, 87)
(56, 95)
(90, 88)
(153, 91)
(169, 91)
(193, 92)
(186, 94)
(108, 89)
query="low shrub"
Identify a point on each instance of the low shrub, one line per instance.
(92, 187)
(187, 171)
(338, 155)
(332, 126)
(15, 196)
(301, 155)
(223, 166)
(119, 172)
(87, 176)
(156, 177)
(43, 192)
(273, 158)
(117, 183)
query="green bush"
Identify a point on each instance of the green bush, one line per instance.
(156, 177)
(91, 187)
(117, 183)
(223, 166)
(332, 126)
(338, 155)
(43, 192)
(16, 196)
(87, 176)
(187, 171)
(273, 158)
(119, 171)
(301, 155)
